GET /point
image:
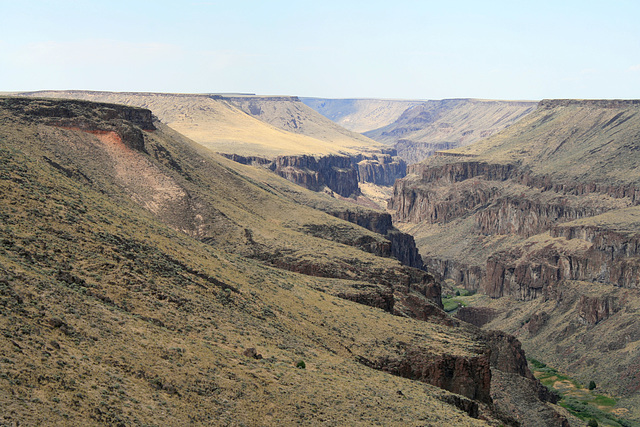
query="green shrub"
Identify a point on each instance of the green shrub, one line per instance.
(592, 385)
(301, 364)
(593, 422)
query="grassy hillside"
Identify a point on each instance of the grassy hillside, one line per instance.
(138, 270)
(585, 141)
(220, 123)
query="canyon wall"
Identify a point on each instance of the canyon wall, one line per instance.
(341, 174)
(545, 200)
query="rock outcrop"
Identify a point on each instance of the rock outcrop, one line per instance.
(469, 376)
(477, 316)
(125, 122)
(602, 256)
(403, 246)
(380, 169)
(341, 174)
(334, 172)
(482, 375)
(468, 276)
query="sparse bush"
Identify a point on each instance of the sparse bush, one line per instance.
(301, 364)
(593, 423)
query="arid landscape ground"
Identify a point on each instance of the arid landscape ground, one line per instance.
(176, 259)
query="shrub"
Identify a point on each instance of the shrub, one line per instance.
(592, 385)
(593, 422)
(301, 364)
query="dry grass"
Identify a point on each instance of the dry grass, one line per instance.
(580, 143)
(110, 316)
(221, 126)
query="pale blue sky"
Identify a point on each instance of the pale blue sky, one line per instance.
(336, 49)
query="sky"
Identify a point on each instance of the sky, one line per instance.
(398, 49)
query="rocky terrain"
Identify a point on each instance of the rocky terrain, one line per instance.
(145, 279)
(543, 215)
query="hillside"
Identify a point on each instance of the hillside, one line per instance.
(542, 218)
(441, 125)
(246, 125)
(360, 115)
(417, 129)
(276, 132)
(146, 280)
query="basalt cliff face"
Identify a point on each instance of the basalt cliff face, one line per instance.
(546, 210)
(105, 242)
(498, 191)
(339, 173)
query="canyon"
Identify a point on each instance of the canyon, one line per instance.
(541, 220)
(533, 207)
(117, 229)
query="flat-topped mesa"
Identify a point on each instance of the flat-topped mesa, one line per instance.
(127, 122)
(600, 103)
(253, 97)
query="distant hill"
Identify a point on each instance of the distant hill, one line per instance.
(439, 125)
(360, 115)
(417, 129)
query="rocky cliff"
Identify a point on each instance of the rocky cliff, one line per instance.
(587, 253)
(467, 376)
(482, 375)
(334, 172)
(500, 191)
(340, 174)
(402, 245)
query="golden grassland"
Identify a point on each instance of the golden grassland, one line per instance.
(222, 126)
(110, 316)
